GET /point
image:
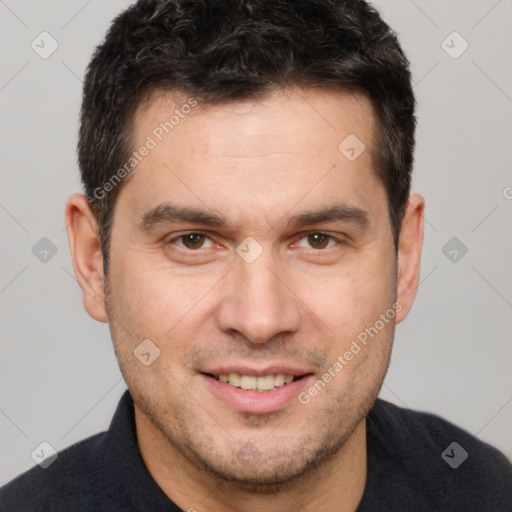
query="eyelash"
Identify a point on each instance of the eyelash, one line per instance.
(304, 235)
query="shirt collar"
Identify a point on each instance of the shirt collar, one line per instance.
(129, 483)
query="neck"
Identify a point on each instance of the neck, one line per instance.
(337, 484)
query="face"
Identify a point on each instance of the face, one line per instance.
(247, 247)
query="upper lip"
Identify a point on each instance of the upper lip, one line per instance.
(242, 369)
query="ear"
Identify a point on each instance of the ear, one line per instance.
(409, 255)
(86, 253)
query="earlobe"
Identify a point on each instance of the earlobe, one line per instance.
(409, 254)
(86, 254)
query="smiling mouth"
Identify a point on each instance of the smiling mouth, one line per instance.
(252, 383)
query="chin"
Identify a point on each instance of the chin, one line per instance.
(269, 470)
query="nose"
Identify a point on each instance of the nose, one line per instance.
(257, 302)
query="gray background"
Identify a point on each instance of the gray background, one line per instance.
(59, 379)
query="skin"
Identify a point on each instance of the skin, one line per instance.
(256, 163)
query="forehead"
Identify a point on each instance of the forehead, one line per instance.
(278, 120)
(293, 146)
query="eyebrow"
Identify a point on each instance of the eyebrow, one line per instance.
(166, 213)
(340, 212)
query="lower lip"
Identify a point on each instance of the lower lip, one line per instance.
(256, 402)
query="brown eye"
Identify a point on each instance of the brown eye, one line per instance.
(193, 240)
(318, 240)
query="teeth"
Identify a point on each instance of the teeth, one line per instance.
(279, 380)
(265, 383)
(251, 383)
(247, 382)
(234, 379)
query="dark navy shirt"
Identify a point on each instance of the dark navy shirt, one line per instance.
(416, 462)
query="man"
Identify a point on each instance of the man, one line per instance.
(249, 235)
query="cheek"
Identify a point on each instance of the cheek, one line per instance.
(156, 300)
(359, 340)
(349, 299)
